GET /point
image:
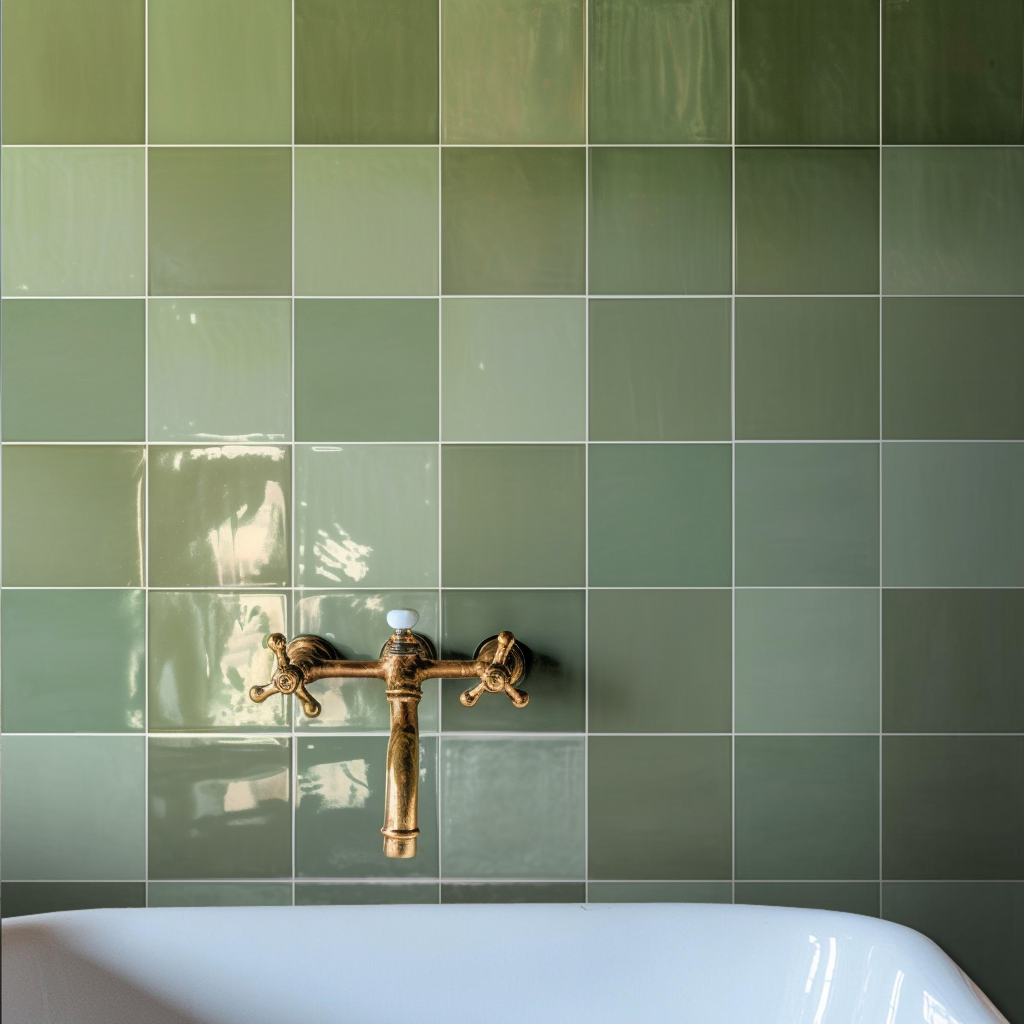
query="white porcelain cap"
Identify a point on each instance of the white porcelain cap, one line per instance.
(402, 618)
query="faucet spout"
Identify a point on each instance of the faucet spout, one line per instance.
(401, 790)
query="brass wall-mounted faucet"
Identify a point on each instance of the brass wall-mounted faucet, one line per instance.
(406, 659)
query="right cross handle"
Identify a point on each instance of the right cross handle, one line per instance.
(506, 667)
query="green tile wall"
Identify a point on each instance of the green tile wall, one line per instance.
(683, 339)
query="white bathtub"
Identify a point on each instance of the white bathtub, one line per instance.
(479, 964)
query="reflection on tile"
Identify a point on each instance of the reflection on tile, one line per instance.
(73, 807)
(513, 892)
(103, 690)
(333, 894)
(845, 897)
(219, 516)
(220, 894)
(660, 892)
(219, 808)
(20, 898)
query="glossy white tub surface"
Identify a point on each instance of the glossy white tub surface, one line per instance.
(495, 964)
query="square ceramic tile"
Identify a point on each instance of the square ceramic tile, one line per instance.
(74, 370)
(105, 691)
(659, 72)
(73, 515)
(514, 369)
(366, 221)
(74, 221)
(660, 221)
(220, 221)
(660, 892)
(220, 369)
(376, 893)
(219, 894)
(350, 529)
(21, 898)
(807, 515)
(513, 221)
(513, 892)
(807, 221)
(639, 681)
(844, 897)
(219, 516)
(660, 515)
(660, 370)
(345, 352)
(73, 807)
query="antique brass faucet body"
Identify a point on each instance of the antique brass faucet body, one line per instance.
(406, 660)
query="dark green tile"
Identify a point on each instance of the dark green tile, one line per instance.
(807, 221)
(952, 515)
(220, 221)
(74, 370)
(219, 516)
(807, 369)
(807, 72)
(21, 898)
(638, 788)
(659, 72)
(219, 894)
(366, 71)
(514, 516)
(953, 660)
(660, 221)
(660, 370)
(640, 680)
(513, 221)
(951, 72)
(513, 71)
(807, 660)
(331, 894)
(845, 897)
(807, 515)
(513, 892)
(73, 72)
(551, 623)
(953, 368)
(953, 220)
(953, 807)
(660, 515)
(807, 807)
(220, 808)
(660, 892)
(73, 516)
(104, 690)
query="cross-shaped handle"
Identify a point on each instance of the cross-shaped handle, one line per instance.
(289, 677)
(507, 667)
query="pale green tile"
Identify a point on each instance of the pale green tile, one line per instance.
(844, 897)
(513, 892)
(21, 898)
(219, 894)
(333, 894)
(660, 892)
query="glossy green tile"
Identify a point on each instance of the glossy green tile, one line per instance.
(332, 894)
(659, 370)
(21, 898)
(74, 370)
(538, 786)
(639, 682)
(73, 515)
(807, 660)
(845, 897)
(807, 368)
(953, 660)
(366, 71)
(953, 220)
(952, 514)
(219, 516)
(660, 892)
(551, 623)
(220, 72)
(660, 221)
(220, 221)
(219, 369)
(362, 342)
(104, 690)
(660, 515)
(951, 72)
(205, 651)
(513, 221)
(526, 532)
(74, 72)
(514, 369)
(220, 894)
(73, 221)
(633, 780)
(807, 221)
(659, 72)
(807, 515)
(807, 72)
(73, 807)
(513, 71)
(219, 808)
(953, 807)
(807, 807)
(513, 892)
(349, 527)
(366, 221)
(340, 807)
(953, 368)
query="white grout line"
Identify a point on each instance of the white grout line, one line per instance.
(586, 453)
(145, 428)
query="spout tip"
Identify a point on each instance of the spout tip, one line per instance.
(401, 849)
